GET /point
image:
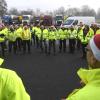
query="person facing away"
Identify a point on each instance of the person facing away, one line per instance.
(90, 77)
(11, 86)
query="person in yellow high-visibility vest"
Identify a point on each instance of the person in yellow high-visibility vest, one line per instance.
(52, 36)
(18, 32)
(62, 33)
(26, 37)
(32, 28)
(37, 35)
(11, 85)
(85, 35)
(72, 34)
(2, 40)
(80, 28)
(12, 40)
(89, 77)
(45, 39)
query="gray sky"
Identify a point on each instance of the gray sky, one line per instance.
(51, 4)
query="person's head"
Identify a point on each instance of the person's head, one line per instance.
(25, 27)
(81, 24)
(42, 27)
(93, 52)
(16, 26)
(72, 28)
(11, 28)
(86, 28)
(52, 28)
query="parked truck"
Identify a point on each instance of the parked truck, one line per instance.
(36, 20)
(47, 20)
(6, 19)
(26, 19)
(59, 20)
(16, 19)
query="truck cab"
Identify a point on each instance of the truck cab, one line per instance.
(26, 19)
(47, 20)
(58, 20)
(6, 19)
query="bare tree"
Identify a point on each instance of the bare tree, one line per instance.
(87, 11)
(98, 14)
(3, 7)
(73, 12)
(13, 11)
(92, 12)
(60, 11)
(27, 12)
(38, 12)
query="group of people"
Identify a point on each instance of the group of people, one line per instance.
(18, 38)
(11, 86)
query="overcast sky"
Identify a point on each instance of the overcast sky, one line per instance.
(51, 4)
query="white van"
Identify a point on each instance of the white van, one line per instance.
(75, 20)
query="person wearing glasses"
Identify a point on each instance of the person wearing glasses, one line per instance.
(89, 77)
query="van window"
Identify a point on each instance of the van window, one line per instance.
(68, 22)
(75, 22)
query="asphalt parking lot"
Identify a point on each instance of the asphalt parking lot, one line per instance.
(47, 77)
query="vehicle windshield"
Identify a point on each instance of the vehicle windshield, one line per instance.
(68, 22)
(25, 18)
(59, 17)
(15, 18)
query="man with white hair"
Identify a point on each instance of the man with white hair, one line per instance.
(90, 77)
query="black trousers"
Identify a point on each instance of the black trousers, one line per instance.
(33, 37)
(43, 45)
(2, 44)
(37, 41)
(52, 44)
(62, 45)
(26, 44)
(12, 45)
(19, 43)
(78, 44)
(72, 43)
(83, 50)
